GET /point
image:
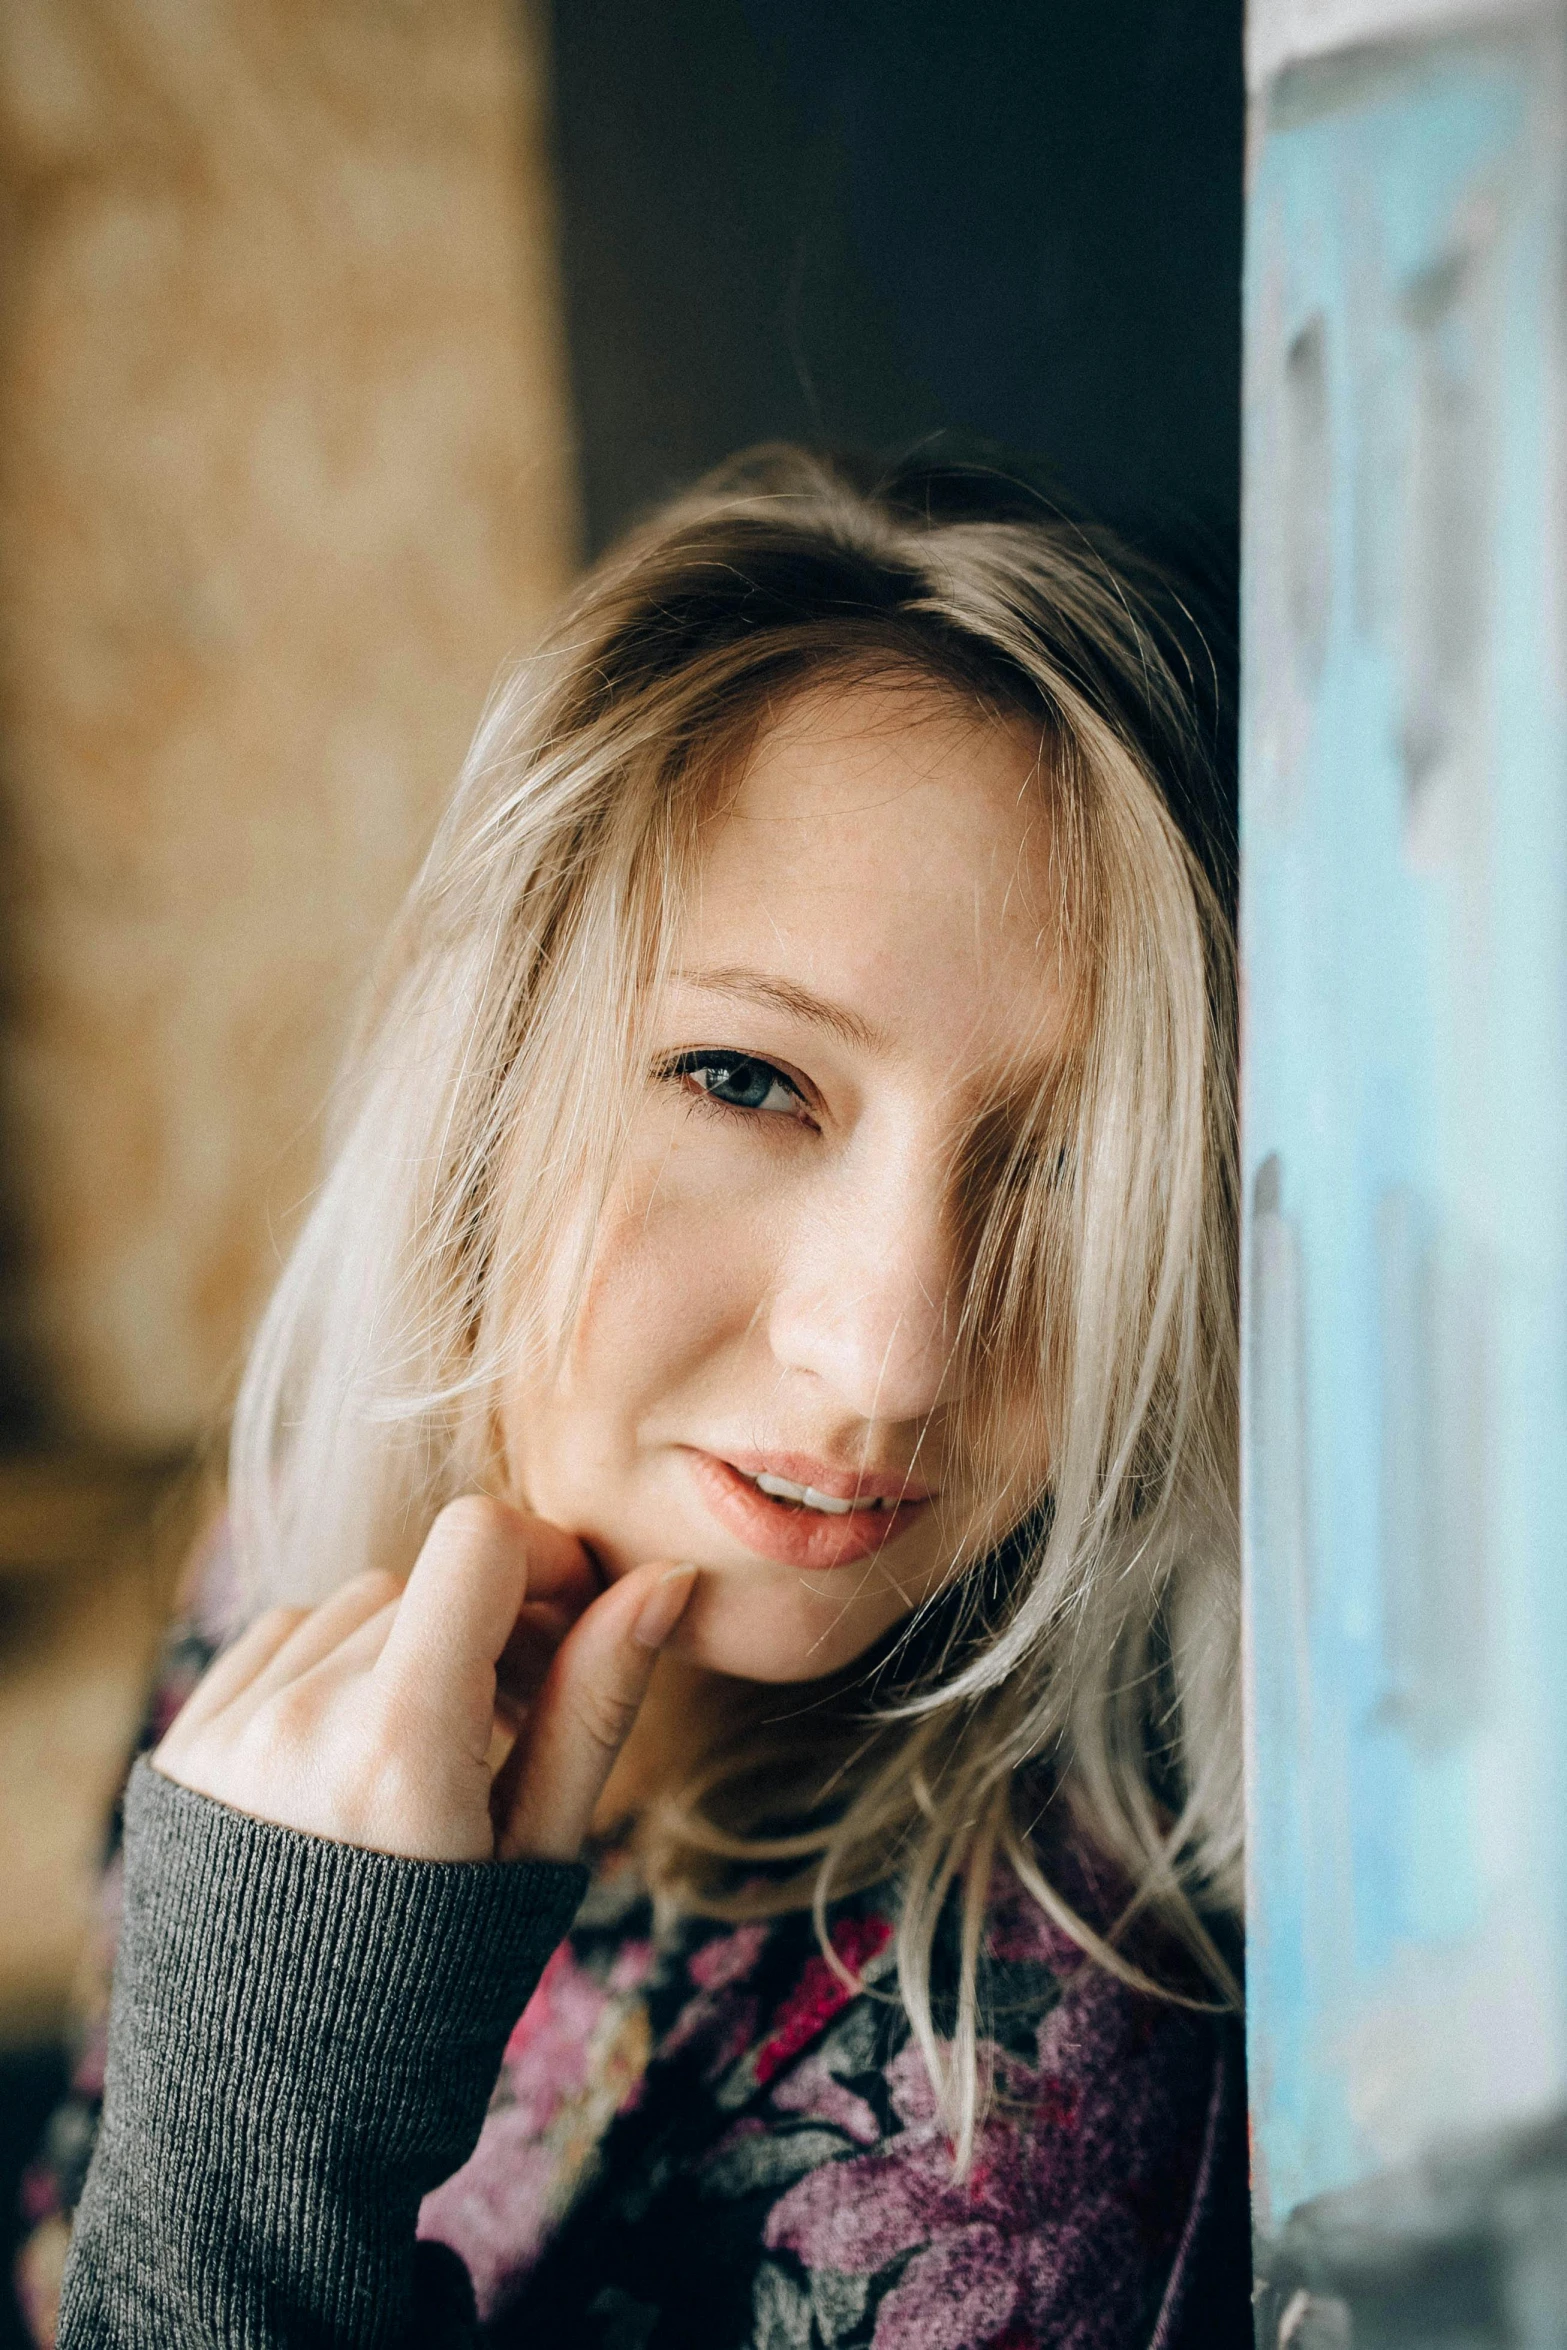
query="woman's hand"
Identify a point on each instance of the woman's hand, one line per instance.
(381, 1717)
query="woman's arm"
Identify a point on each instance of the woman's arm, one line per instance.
(334, 1911)
(303, 2040)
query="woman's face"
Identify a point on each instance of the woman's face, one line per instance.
(760, 1379)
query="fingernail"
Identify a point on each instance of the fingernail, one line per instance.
(663, 1607)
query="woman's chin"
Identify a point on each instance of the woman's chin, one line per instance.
(737, 1626)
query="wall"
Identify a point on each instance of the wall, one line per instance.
(284, 477)
(1404, 837)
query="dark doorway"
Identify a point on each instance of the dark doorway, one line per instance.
(862, 223)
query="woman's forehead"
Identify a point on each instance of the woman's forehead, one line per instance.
(886, 853)
(831, 742)
(897, 773)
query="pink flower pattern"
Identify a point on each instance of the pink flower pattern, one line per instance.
(777, 2174)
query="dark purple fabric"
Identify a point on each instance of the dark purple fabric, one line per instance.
(706, 2139)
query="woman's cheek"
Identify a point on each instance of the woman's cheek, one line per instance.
(680, 1266)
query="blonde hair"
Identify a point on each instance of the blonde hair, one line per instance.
(1083, 1654)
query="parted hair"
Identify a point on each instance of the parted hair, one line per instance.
(1078, 1667)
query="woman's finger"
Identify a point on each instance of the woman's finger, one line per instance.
(326, 1628)
(360, 1649)
(461, 1602)
(233, 1670)
(545, 1795)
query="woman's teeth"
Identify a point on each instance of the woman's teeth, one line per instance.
(781, 1489)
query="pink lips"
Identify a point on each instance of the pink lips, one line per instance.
(796, 1536)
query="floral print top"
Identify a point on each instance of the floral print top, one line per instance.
(707, 2138)
(702, 2138)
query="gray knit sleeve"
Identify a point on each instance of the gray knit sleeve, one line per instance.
(302, 2042)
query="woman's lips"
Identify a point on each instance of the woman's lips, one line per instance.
(786, 1531)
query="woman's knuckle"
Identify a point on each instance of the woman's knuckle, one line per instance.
(378, 1585)
(281, 1620)
(605, 1716)
(388, 1782)
(292, 1715)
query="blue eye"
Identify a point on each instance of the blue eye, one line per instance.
(737, 1082)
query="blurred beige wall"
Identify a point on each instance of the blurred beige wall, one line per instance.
(284, 477)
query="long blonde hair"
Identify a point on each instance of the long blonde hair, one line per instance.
(1091, 1653)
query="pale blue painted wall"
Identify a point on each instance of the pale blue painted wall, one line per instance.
(1404, 921)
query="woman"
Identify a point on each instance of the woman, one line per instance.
(756, 1396)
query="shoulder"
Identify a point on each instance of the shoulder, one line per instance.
(1113, 2056)
(1112, 2113)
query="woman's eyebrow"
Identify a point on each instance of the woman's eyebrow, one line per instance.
(784, 995)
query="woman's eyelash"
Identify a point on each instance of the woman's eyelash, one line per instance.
(736, 1083)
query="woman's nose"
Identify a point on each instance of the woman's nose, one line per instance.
(864, 1297)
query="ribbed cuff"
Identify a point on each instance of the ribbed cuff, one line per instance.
(303, 2040)
(375, 1951)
